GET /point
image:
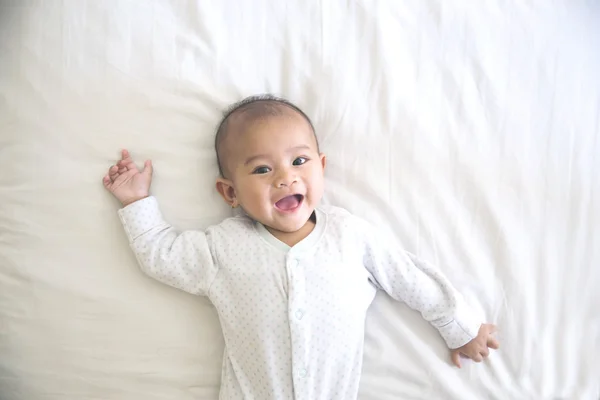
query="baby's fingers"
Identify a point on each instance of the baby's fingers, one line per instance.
(106, 181)
(125, 155)
(127, 165)
(456, 358)
(113, 172)
(493, 343)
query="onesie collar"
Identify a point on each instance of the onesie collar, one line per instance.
(303, 245)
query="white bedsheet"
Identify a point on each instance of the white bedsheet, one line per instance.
(470, 130)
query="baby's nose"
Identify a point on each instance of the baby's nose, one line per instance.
(285, 179)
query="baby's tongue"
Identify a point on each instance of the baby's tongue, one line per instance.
(287, 203)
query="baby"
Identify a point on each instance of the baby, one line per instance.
(291, 279)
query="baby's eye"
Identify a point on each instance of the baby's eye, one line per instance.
(300, 161)
(261, 170)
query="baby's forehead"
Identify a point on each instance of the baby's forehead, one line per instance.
(243, 124)
(266, 132)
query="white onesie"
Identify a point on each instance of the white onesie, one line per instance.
(293, 319)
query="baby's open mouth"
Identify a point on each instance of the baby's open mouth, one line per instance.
(289, 203)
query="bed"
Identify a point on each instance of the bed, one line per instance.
(468, 130)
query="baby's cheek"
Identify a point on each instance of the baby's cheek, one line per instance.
(317, 188)
(254, 200)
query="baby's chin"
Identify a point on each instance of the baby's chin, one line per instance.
(292, 226)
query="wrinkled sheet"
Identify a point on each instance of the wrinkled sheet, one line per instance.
(469, 130)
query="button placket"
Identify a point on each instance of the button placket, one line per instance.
(297, 311)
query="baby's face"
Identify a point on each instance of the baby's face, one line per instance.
(276, 171)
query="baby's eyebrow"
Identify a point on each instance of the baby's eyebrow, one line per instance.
(251, 159)
(300, 147)
(254, 158)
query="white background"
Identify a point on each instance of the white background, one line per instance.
(469, 130)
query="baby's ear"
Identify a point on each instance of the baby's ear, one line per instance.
(226, 190)
(323, 160)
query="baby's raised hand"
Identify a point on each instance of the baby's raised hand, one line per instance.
(126, 182)
(478, 348)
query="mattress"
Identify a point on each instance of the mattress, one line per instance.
(468, 130)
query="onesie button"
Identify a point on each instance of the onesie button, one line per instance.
(295, 263)
(300, 313)
(302, 373)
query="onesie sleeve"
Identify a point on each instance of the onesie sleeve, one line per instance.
(181, 260)
(421, 286)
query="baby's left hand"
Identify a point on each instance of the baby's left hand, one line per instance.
(477, 349)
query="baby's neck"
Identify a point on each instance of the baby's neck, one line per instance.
(293, 238)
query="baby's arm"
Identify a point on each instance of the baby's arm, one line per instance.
(423, 288)
(182, 260)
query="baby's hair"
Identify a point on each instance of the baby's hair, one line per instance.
(257, 107)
